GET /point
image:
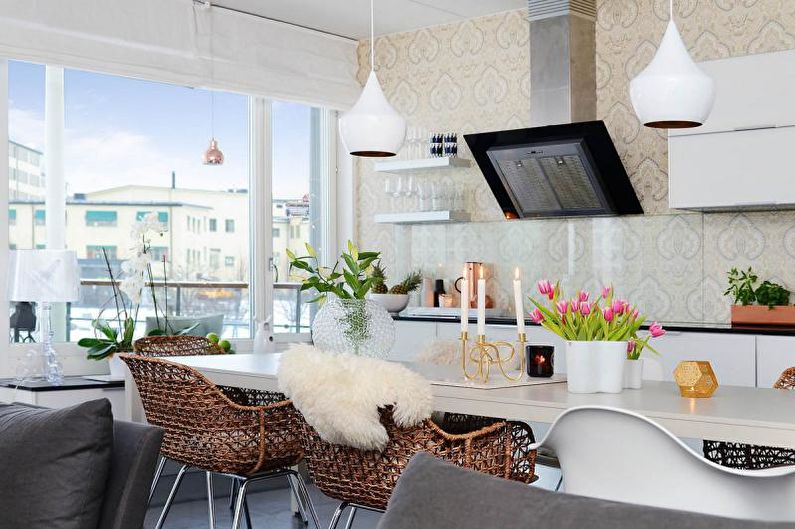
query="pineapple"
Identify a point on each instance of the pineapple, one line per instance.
(378, 275)
(409, 284)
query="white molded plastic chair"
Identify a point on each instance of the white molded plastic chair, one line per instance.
(618, 455)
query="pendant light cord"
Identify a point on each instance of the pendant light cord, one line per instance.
(671, 9)
(212, 71)
(372, 37)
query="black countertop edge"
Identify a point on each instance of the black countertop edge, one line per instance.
(69, 383)
(673, 327)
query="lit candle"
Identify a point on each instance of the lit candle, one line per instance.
(517, 300)
(464, 302)
(481, 304)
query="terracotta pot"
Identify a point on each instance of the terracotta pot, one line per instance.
(762, 315)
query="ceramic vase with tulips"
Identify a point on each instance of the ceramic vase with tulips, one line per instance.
(603, 344)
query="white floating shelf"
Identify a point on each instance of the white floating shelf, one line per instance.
(422, 217)
(423, 164)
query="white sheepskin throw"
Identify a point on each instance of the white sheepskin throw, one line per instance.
(339, 395)
(441, 352)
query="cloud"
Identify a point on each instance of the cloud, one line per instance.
(26, 127)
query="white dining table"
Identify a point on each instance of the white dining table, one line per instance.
(733, 413)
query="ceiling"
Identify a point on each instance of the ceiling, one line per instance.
(351, 18)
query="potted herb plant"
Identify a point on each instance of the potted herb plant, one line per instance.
(347, 321)
(602, 336)
(765, 304)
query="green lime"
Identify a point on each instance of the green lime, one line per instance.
(213, 337)
(225, 345)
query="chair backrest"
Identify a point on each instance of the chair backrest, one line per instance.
(165, 346)
(202, 427)
(618, 455)
(786, 380)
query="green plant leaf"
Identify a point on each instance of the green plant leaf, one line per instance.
(89, 342)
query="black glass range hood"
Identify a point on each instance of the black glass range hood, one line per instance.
(558, 170)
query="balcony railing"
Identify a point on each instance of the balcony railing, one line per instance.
(193, 299)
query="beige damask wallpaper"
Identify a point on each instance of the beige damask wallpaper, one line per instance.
(474, 76)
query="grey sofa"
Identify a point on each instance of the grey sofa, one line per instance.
(74, 468)
(438, 495)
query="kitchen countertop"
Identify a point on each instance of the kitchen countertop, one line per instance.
(670, 326)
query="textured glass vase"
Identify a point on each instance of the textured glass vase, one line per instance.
(357, 326)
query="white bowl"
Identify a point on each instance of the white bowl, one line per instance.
(393, 303)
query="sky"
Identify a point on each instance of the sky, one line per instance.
(125, 131)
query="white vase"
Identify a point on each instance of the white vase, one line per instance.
(117, 366)
(595, 367)
(633, 373)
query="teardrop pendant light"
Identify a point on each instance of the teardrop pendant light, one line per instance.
(213, 155)
(372, 128)
(672, 92)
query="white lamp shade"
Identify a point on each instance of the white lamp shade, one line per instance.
(372, 128)
(43, 276)
(672, 92)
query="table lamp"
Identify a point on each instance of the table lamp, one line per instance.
(45, 277)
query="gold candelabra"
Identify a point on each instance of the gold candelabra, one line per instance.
(483, 354)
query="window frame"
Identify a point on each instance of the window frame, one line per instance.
(261, 203)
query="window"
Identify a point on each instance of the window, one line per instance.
(102, 218)
(139, 131)
(162, 216)
(40, 217)
(95, 252)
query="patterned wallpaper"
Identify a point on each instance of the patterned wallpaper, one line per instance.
(474, 76)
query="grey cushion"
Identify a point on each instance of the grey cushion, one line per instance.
(438, 495)
(135, 451)
(54, 465)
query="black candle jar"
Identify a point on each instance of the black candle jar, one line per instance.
(540, 360)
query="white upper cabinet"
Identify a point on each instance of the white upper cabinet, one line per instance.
(742, 157)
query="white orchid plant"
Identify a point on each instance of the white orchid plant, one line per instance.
(116, 334)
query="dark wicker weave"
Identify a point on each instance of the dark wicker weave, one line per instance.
(367, 478)
(753, 457)
(205, 429)
(175, 346)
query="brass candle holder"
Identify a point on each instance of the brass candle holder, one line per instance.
(477, 358)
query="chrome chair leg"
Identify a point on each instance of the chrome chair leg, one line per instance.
(232, 494)
(171, 496)
(299, 498)
(240, 502)
(299, 480)
(560, 483)
(158, 472)
(247, 514)
(210, 499)
(351, 516)
(337, 515)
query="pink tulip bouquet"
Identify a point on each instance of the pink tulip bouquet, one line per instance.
(605, 318)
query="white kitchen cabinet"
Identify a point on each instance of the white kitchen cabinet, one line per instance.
(411, 338)
(774, 354)
(733, 356)
(747, 138)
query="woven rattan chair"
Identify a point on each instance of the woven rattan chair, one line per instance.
(164, 346)
(205, 429)
(364, 479)
(753, 457)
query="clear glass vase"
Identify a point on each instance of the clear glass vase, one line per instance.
(357, 326)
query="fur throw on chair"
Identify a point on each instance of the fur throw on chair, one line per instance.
(339, 395)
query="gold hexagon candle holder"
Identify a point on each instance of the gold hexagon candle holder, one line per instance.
(695, 379)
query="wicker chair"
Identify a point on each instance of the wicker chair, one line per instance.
(164, 346)
(207, 430)
(753, 457)
(364, 479)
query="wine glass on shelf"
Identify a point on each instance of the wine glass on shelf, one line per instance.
(389, 190)
(397, 192)
(423, 195)
(408, 191)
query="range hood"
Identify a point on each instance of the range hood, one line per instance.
(557, 170)
(566, 164)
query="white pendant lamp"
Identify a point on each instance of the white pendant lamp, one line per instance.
(372, 128)
(672, 92)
